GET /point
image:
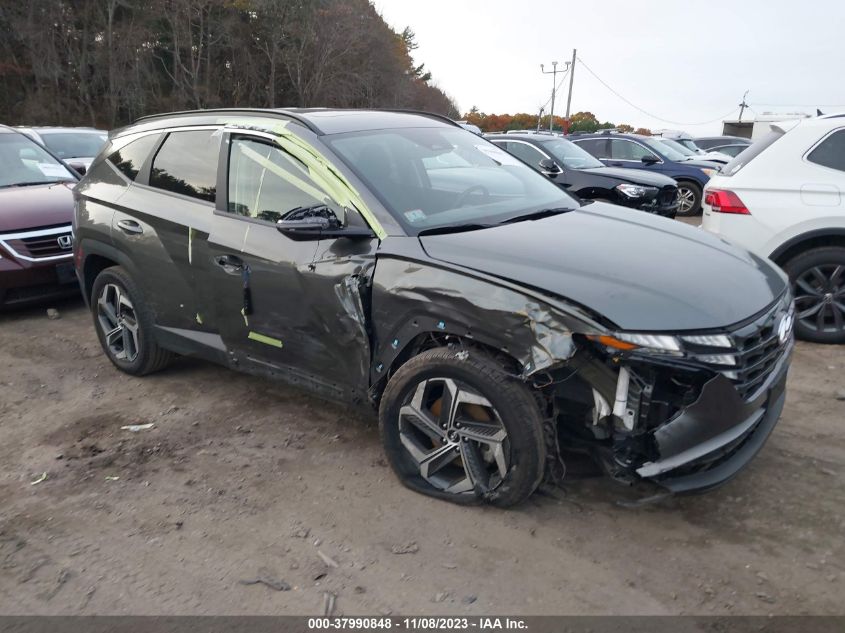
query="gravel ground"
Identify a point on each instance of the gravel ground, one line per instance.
(243, 480)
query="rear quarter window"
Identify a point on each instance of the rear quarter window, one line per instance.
(129, 158)
(830, 152)
(187, 164)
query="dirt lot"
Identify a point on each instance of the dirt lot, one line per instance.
(242, 478)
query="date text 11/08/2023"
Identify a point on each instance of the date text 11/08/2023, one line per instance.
(417, 623)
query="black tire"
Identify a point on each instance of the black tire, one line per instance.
(695, 194)
(513, 405)
(822, 271)
(148, 357)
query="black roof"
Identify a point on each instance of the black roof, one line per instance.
(328, 120)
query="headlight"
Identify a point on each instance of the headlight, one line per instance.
(709, 172)
(628, 341)
(635, 191)
(709, 340)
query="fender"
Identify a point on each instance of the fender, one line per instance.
(806, 237)
(89, 247)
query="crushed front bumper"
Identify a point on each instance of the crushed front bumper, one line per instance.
(714, 438)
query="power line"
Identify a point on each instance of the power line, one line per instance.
(653, 116)
(562, 79)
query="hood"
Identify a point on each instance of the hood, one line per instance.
(34, 206)
(715, 157)
(700, 162)
(633, 176)
(642, 272)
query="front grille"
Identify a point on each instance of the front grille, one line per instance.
(40, 244)
(757, 348)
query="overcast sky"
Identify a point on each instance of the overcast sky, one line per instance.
(684, 61)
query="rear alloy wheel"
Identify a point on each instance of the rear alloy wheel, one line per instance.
(125, 325)
(118, 323)
(818, 284)
(457, 427)
(689, 199)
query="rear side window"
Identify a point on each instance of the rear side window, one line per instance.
(187, 164)
(830, 152)
(129, 158)
(753, 151)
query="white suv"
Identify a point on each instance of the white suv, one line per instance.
(782, 198)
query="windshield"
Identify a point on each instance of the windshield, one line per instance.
(675, 145)
(431, 178)
(570, 155)
(688, 143)
(74, 144)
(664, 149)
(24, 162)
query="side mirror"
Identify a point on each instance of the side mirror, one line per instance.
(650, 160)
(320, 227)
(79, 168)
(549, 167)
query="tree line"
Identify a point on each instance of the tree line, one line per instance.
(578, 122)
(106, 62)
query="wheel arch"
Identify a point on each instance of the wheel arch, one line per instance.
(96, 258)
(806, 241)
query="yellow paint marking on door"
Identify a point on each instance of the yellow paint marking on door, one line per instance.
(263, 338)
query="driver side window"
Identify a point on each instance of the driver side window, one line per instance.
(628, 150)
(266, 183)
(526, 152)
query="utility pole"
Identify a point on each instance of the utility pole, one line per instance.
(742, 106)
(569, 97)
(540, 118)
(553, 73)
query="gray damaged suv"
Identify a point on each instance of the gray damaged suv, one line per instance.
(397, 261)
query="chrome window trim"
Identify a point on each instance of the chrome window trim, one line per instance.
(59, 230)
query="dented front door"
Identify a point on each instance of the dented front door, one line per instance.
(289, 307)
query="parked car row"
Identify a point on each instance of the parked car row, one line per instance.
(36, 209)
(480, 293)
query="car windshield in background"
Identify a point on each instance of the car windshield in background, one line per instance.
(74, 144)
(432, 178)
(24, 162)
(570, 155)
(754, 150)
(663, 148)
(675, 145)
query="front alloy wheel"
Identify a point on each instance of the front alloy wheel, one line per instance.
(689, 199)
(455, 436)
(457, 425)
(118, 322)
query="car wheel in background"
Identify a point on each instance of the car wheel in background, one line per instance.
(124, 324)
(689, 198)
(455, 425)
(818, 284)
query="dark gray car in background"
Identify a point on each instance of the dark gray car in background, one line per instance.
(396, 261)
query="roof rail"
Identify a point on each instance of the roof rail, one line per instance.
(280, 112)
(431, 115)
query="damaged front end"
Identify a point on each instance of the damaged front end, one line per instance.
(686, 410)
(686, 413)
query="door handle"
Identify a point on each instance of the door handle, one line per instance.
(232, 264)
(129, 226)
